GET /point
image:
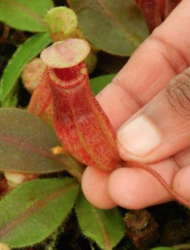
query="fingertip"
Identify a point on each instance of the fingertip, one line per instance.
(181, 183)
(94, 187)
(134, 188)
(121, 188)
(125, 189)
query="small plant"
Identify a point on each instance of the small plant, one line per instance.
(42, 165)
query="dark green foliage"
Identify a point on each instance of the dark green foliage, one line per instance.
(105, 227)
(33, 211)
(26, 143)
(115, 28)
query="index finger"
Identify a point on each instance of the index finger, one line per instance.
(161, 57)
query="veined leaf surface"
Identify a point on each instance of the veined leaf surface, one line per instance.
(26, 143)
(105, 227)
(33, 211)
(115, 27)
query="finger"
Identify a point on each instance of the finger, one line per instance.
(158, 60)
(133, 188)
(181, 183)
(161, 128)
(94, 186)
(162, 56)
(183, 158)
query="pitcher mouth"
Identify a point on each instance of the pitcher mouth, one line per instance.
(68, 77)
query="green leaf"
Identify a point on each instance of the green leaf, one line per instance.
(26, 143)
(31, 48)
(25, 15)
(105, 227)
(117, 28)
(12, 99)
(33, 211)
(98, 83)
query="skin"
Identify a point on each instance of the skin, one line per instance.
(144, 88)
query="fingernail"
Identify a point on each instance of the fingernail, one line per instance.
(139, 137)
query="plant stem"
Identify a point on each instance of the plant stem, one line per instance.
(75, 168)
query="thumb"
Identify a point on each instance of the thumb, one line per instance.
(161, 128)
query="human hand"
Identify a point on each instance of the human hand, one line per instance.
(153, 112)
